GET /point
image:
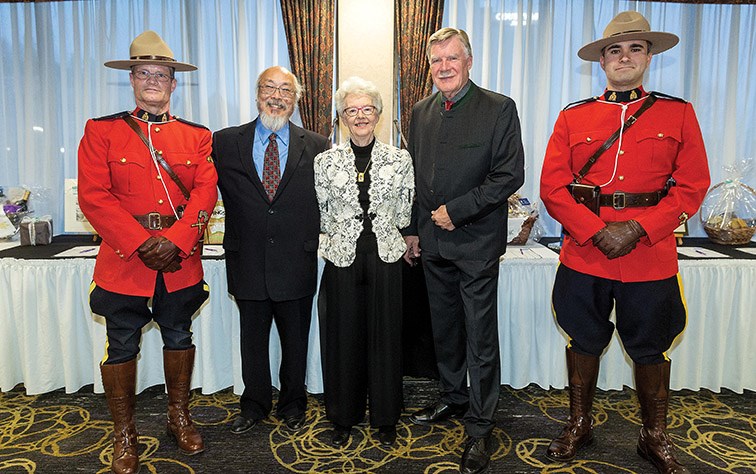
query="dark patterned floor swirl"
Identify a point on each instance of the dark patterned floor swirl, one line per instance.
(58, 432)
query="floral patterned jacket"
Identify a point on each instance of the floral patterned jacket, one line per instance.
(391, 191)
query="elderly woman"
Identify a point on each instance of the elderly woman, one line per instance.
(365, 190)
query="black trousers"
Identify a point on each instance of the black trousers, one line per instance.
(463, 298)
(362, 324)
(293, 323)
(126, 315)
(649, 314)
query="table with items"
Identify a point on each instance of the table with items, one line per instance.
(49, 338)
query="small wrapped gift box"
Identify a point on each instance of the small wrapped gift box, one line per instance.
(36, 231)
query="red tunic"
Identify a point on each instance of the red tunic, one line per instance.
(665, 142)
(118, 179)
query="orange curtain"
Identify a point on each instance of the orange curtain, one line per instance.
(414, 22)
(309, 28)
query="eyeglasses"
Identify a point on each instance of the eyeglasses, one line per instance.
(143, 75)
(368, 110)
(268, 90)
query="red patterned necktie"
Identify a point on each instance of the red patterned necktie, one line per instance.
(448, 104)
(271, 171)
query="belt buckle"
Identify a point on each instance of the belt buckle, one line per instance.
(618, 200)
(154, 221)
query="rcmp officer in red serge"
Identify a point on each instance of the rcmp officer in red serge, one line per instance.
(147, 185)
(647, 182)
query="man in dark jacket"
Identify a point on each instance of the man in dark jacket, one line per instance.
(466, 146)
(266, 179)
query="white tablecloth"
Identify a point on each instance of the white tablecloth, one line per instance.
(50, 340)
(716, 350)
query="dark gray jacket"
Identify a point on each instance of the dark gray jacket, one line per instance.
(471, 159)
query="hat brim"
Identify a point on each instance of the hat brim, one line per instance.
(129, 63)
(660, 42)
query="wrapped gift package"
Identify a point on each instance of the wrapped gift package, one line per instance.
(522, 221)
(216, 226)
(36, 231)
(728, 212)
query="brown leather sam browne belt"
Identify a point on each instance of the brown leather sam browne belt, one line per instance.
(620, 200)
(155, 221)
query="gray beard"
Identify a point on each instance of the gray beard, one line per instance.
(273, 123)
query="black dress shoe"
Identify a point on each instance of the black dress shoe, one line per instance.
(242, 425)
(477, 455)
(295, 422)
(387, 435)
(437, 412)
(341, 435)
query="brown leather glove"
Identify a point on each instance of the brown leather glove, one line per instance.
(174, 266)
(159, 253)
(147, 245)
(618, 238)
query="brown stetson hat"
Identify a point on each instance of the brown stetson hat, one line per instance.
(149, 48)
(628, 26)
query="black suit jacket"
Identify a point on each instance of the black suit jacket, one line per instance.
(471, 159)
(271, 247)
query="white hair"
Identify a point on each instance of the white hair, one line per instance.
(358, 85)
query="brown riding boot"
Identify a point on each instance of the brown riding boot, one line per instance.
(178, 367)
(582, 373)
(119, 381)
(652, 387)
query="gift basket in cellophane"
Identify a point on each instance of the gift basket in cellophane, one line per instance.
(728, 212)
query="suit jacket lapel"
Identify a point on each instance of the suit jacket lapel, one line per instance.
(296, 149)
(245, 144)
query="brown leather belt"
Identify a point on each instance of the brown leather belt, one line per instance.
(155, 221)
(620, 200)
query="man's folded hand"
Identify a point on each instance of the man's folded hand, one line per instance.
(618, 238)
(160, 254)
(174, 266)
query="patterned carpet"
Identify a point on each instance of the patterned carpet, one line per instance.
(58, 432)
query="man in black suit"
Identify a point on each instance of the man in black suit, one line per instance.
(466, 146)
(266, 178)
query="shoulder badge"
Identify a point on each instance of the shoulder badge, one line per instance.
(113, 116)
(580, 102)
(659, 95)
(191, 123)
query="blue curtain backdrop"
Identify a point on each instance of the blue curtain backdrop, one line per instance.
(51, 57)
(528, 50)
(53, 78)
